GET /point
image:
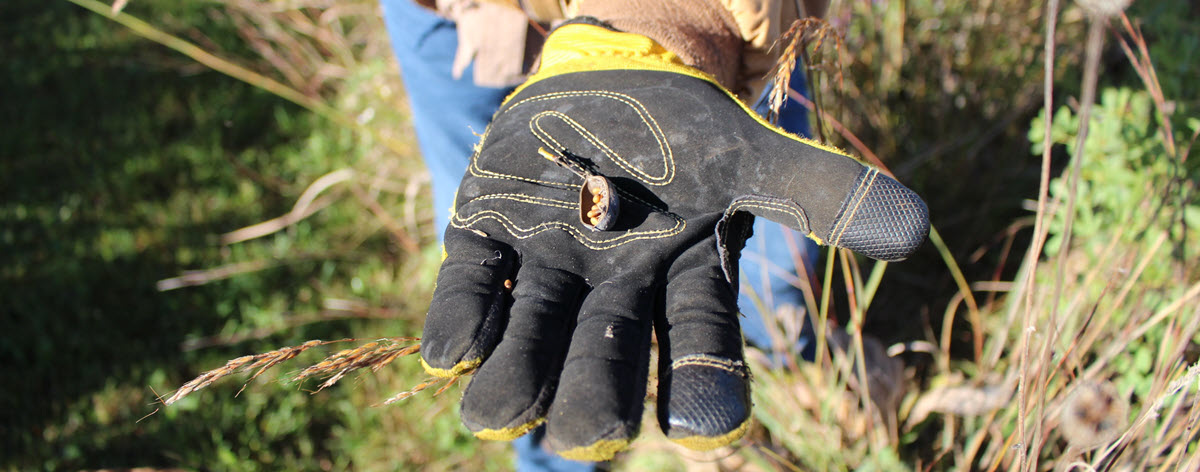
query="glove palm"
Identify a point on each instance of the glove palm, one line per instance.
(569, 344)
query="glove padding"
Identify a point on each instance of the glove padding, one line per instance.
(568, 345)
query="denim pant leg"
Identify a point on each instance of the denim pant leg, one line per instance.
(447, 113)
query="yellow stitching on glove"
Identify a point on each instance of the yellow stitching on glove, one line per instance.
(586, 48)
(461, 368)
(601, 450)
(508, 434)
(708, 443)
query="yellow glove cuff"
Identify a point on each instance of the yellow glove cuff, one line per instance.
(586, 48)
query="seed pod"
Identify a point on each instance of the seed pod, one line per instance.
(598, 203)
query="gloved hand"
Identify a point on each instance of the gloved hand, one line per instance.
(569, 343)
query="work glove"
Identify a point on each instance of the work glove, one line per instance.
(609, 200)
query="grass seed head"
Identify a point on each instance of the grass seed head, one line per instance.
(802, 33)
(1095, 414)
(374, 355)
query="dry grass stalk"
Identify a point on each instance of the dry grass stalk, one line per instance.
(261, 362)
(1144, 67)
(816, 416)
(797, 38)
(961, 400)
(191, 278)
(307, 43)
(374, 355)
(429, 382)
(306, 205)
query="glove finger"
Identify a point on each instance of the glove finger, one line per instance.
(703, 383)
(840, 202)
(512, 390)
(597, 410)
(880, 218)
(809, 186)
(470, 304)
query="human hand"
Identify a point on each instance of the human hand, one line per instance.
(554, 316)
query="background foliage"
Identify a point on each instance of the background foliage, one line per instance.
(130, 174)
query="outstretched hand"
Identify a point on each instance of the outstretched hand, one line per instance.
(552, 308)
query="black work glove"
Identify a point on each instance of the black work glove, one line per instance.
(569, 344)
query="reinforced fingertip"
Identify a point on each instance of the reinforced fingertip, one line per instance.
(601, 450)
(508, 434)
(882, 219)
(461, 368)
(469, 309)
(708, 443)
(705, 402)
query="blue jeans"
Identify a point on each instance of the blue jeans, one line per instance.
(448, 114)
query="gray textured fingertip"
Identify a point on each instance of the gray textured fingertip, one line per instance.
(882, 219)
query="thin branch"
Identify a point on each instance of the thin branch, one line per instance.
(1039, 231)
(304, 207)
(193, 278)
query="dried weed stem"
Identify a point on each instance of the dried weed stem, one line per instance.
(373, 355)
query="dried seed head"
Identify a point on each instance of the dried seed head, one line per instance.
(1094, 415)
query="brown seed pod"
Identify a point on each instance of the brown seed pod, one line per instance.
(598, 203)
(1094, 415)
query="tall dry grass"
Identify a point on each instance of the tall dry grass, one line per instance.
(1016, 370)
(1040, 385)
(333, 59)
(373, 355)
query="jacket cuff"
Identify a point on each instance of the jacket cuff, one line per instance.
(702, 33)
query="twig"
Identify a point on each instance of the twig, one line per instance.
(1091, 74)
(192, 278)
(1039, 232)
(304, 207)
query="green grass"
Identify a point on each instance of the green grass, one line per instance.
(123, 164)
